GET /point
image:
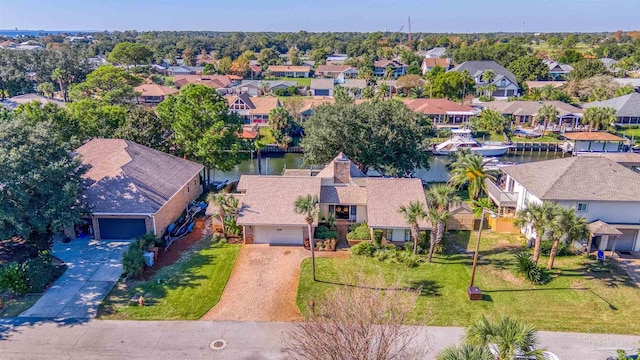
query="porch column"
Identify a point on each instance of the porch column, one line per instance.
(604, 239)
(613, 248)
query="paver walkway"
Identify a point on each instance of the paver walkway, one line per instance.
(632, 266)
(263, 284)
(93, 268)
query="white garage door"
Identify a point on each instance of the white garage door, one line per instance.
(278, 235)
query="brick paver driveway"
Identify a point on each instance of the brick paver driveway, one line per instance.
(263, 284)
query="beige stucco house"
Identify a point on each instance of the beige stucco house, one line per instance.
(267, 214)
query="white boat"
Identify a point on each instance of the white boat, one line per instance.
(462, 139)
(493, 163)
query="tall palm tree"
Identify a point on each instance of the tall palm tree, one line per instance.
(596, 117)
(417, 92)
(220, 201)
(308, 206)
(547, 114)
(465, 352)
(466, 80)
(384, 90)
(47, 89)
(439, 199)
(491, 88)
(413, 214)
(60, 76)
(488, 76)
(540, 217)
(508, 337)
(567, 227)
(469, 170)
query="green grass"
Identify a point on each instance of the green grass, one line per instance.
(15, 305)
(629, 133)
(582, 296)
(266, 136)
(581, 47)
(301, 81)
(186, 291)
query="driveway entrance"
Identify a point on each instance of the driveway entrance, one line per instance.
(264, 284)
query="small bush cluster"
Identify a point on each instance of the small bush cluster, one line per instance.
(133, 259)
(527, 268)
(33, 275)
(326, 245)
(545, 248)
(323, 232)
(386, 252)
(361, 232)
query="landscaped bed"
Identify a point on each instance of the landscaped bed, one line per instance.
(185, 290)
(583, 295)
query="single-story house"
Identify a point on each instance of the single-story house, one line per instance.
(14, 102)
(308, 105)
(267, 215)
(332, 71)
(629, 160)
(524, 112)
(134, 190)
(184, 70)
(606, 193)
(217, 82)
(503, 79)
(633, 82)
(436, 52)
(627, 108)
(558, 71)
(397, 68)
(441, 111)
(322, 87)
(589, 142)
(254, 110)
(290, 71)
(257, 87)
(153, 94)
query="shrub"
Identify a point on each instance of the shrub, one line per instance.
(383, 254)
(147, 241)
(321, 229)
(354, 226)
(364, 248)
(323, 232)
(545, 248)
(407, 258)
(527, 268)
(14, 278)
(377, 237)
(133, 260)
(40, 272)
(359, 233)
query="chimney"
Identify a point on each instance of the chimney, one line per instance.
(341, 170)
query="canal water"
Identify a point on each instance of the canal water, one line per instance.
(275, 164)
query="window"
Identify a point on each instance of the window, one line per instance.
(353, 212)
(332, 210)
(188, 189)
(389, 235)
(503, 82)
(342, 212)
(407, 235)
(583, 206)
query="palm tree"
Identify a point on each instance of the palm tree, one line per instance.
(491, 88)
(413, 214)
(469, 170)
(221, 203)
(488, 76)
(417, 92)
(465, 352)
(508, 337)
(264, 86)
(540, 217)
(534, 94)
(466, 79)
(308, 206)
(60, 76)
(384, 90)
(439, 199)
(567, 227)
(547, 114)
(47, 89)
(595, 117)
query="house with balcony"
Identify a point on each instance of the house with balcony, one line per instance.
(526, 112)
(558, 71)
(333, 71)
(396, 68)
(603, 191)
(267, 214)
(253, 110)
(153, 94)
(504, 80)
(442, 111)
(627, 108)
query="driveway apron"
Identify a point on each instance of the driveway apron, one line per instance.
(93, 268)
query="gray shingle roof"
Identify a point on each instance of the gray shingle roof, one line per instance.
(626, 105)
(346, 195)
(322, 84)
(474, 67)
(328, 171)
(385, 196)
(578, 178)
(128, 178)
(531, 108)
(600, 227)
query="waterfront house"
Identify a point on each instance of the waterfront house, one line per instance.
(267, 214)
(253, 110)
(606, 193)
(442, 111)
(592, 142)
(526, 112)
(627, 108)
(504, 79)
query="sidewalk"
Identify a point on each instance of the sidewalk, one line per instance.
(95, 339)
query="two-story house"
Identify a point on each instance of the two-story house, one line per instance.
(253, 110)
(395, 67)
(153, 94)
(627, 108)
(603, 191)
(558, 71)
(503, 79)
(267, 214)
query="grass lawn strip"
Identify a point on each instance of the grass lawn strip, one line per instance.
(185, 290)
(582, 297)
(14, 305)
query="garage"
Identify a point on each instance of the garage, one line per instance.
(626, 241)
(322, 92)
(278, 235)
(121, 229)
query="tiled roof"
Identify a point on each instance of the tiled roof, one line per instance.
(385, 196)
(128, 178)
(578, 178)
(263, 105)
(437, 106)
(626, 105)
(436, 61)
(155, 90)
(310, 104)
(214, 81)
(592, 136)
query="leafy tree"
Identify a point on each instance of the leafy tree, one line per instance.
(293, 57)
(469, 170)
(308, 206)
(567, 227)
(129, 54)
(204, 129)
(408, 82)
(414, 69)
(240, 66)
(209, 69)
(368, 134)
(603, 86)
(143, 126)
(280, 123)
(439, 199)
(587, 68)
(570, 56)
(41, 183)
(540, 217)
(547, 114)
(413, 214)
(64, 126)
(94, 118)
(224, 65)
(450, 85)
(108, 84)
(269, 56)
(509, 336)
(624, 90)
(529, 68)
(493, 121)
(596, 117)
(46, 89)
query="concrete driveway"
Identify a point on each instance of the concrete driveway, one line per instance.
(93, 268)
(264, 284)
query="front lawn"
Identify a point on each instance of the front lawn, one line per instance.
(14, 305)
(582, 297)
(185, 290)
(301, 81)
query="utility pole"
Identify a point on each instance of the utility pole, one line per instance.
(523, 28)
(410, 35)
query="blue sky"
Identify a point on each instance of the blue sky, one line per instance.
(319, 15)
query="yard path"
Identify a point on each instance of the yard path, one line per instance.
(264, 284)
(632, 266)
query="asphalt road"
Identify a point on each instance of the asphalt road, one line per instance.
(23, 338)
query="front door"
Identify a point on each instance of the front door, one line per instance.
(343, 212)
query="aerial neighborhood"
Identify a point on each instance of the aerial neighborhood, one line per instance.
(487, 182)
